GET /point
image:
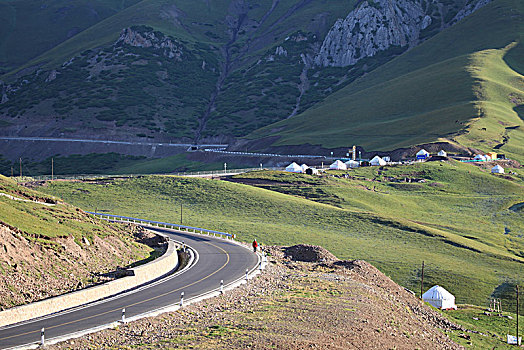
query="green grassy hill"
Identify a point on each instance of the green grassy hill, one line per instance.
(50, 247)
(464, 85)
(458, 221)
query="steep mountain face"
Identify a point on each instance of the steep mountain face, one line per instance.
(378, 25)
(224, 70)
(371, 28)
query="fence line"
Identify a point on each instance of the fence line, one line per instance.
(119, 218)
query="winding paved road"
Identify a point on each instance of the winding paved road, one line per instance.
(218, 259)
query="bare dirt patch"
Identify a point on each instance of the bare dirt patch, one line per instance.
(325, 304)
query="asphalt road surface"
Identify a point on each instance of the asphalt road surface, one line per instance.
(219, 259)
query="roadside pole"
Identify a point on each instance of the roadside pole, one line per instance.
(422, 281)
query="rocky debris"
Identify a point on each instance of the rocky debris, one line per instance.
(149, 38)
(292, 305)
(309, 253)
(51, 76)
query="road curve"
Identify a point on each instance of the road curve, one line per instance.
(219, 259)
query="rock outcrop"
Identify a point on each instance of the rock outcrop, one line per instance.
(377, 25)
(150, 38)
(370, 28)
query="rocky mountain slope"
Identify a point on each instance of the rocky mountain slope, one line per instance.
(49, 248)
(194, 71)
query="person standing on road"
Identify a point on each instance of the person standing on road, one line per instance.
(255, 245)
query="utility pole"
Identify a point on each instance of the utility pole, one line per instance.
(517, 314)
(20, 167)
(52, 168)
(422, 281)
(181, 222)
(12, 171)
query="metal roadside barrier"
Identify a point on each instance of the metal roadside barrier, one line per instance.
(119, 218)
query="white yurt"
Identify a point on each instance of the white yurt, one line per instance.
(442, 153)
(377, 161)
(480, 157)
(352, 164)
(497, 169)
(440, 298)
(422, 154)
(338, 165)
(304, 167)
(294, 168)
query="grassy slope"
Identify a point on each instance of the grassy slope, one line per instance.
(31, 28)
(492, 329)
(394, 230)
(48, 222)
(424, 94)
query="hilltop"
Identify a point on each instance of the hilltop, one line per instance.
(49, 247)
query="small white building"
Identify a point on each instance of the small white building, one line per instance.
(304, 167)
(352, 164)
(440, 298)
(422, 154)
(377, 161)
(442, 153)
(294, 168)
(497, 169)
(338, 165)
(480, 158)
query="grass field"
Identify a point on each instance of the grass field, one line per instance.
(110, 163)
(463, 85)
(491, 329)
(458, 221)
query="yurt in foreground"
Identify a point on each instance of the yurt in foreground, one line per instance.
(497, 169)
(440, 298)
(377, 161)
(294, 168)
(352, 164)
(338, 165)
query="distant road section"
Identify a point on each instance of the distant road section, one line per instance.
(51, 139)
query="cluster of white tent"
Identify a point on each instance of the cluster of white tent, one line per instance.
(337, 165)
(295, 168)
(483, 157)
